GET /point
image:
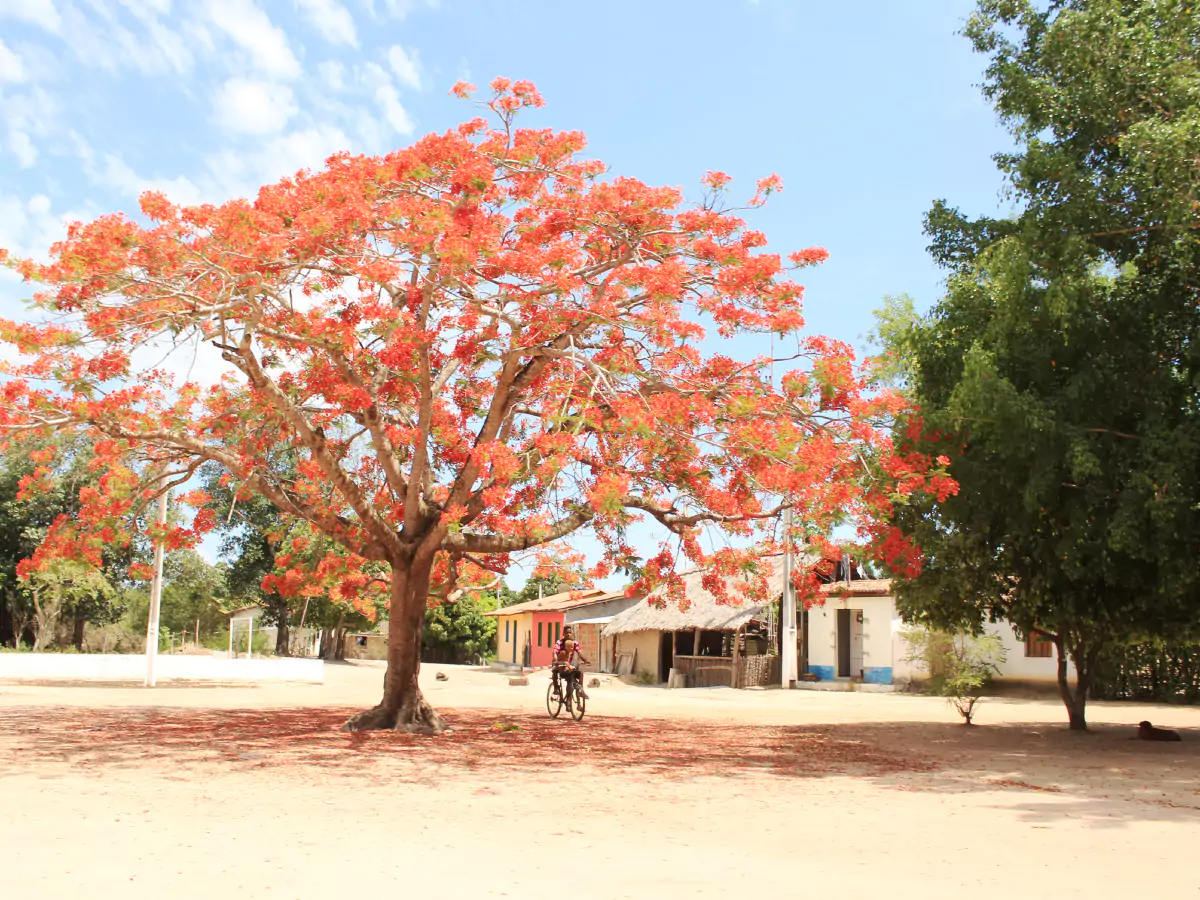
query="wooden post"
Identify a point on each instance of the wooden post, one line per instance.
(696, 644)
(737, 658)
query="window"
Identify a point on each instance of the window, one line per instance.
(1038, 646)
(507, 622)
(539, 634)
(557, 630)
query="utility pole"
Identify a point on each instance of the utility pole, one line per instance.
(156, 591)
(789, 651)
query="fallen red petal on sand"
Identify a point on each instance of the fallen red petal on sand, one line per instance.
(293, 737)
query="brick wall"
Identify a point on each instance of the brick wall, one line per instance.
(589, 643)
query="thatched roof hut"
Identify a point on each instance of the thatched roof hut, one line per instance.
(703, 611)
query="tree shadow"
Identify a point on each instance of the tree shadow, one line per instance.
(1102, 776)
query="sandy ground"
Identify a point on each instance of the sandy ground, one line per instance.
(252, 791)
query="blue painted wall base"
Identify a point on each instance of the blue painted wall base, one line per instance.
(825, 673)
(878, 675)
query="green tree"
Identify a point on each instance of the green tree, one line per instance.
(24, 521)
(254, 533)
(458, 631)
(251, 533)
(1060, 370)
(61, 586)
(546, 585)
(194, 591)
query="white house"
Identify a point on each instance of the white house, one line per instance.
(857, 634)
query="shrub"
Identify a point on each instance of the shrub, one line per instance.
(959, 664)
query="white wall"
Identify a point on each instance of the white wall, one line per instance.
(883, 646)
(114, 667)
(878, 613)
(1017, 668)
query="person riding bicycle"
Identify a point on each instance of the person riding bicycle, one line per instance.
(566, 648)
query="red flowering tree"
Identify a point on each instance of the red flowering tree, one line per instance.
(470, 348)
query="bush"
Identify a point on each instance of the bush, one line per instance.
(959, 664)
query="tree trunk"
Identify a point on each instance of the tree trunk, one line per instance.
(283, 646)
(1085, 666)
(403, 707)
(328, 648)
(8, 627)
(77, 635)
(44, 616)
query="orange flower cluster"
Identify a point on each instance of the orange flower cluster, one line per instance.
(470, 348)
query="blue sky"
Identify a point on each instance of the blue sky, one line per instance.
(869, 109)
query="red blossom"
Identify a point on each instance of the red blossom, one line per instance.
(473, 347)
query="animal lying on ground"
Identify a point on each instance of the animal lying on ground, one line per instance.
(1148, 732)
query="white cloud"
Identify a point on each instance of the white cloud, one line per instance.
(253, 107)
(82, 148)
(11, 67)
(118, 176)
(331, 19)
(406, 66)
(28, 227)
(375, 137)
(372, 75)
(36, 12)
(333, 74)
(242, 173)
(22, 146)
(147, 9)
(251, 29)
(393, 110)
(104, 41)
(398, 9)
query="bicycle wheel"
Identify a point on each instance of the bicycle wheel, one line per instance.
(575, 701)
(554, 701)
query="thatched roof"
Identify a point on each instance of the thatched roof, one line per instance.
(703, 610)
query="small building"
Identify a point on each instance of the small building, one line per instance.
(711, 643)
(850, 635)
(526, 632)
(857, 635)
(365, 645)
(853, 633)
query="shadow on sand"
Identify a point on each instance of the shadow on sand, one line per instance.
(1102, 776)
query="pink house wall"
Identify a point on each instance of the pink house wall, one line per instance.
(550, 624)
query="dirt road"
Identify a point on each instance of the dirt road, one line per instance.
(203, 792)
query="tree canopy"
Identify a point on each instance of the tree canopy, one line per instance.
(87, 592)
(476, 346)
(1060, 372)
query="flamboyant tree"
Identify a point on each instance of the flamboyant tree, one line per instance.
(476, 346)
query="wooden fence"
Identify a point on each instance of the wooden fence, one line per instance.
(718, 671)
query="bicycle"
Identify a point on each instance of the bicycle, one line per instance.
(572, 698)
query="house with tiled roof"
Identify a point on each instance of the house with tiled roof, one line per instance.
(526, 632)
